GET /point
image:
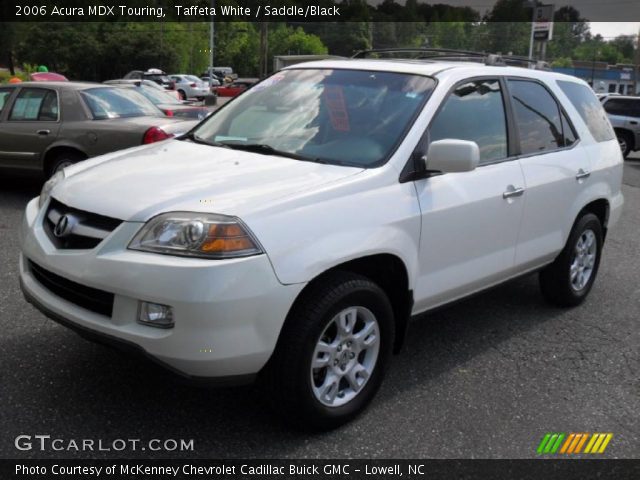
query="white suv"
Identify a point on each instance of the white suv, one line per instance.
(290, 236)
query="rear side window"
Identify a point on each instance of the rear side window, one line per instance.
(537, 116)
(5, 93)
(589, 108)
(35, 104)
(475, 112)
(623, 106)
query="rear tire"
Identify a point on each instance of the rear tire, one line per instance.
(62, 161)
(332, 352)
(626, 142)
(183, 96)
(568, 280)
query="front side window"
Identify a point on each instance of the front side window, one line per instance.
(118, 103)
(589, 108)
(343, 117)
(474, 111)
(538, 117)
(35, 104)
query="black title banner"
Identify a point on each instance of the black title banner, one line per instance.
(307, 10)
(583, 469)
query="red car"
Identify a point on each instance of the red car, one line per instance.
(233, 89)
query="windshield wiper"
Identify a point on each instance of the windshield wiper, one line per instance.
(266, 150)
(196, 139)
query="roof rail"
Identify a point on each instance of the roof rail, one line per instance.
(435, 54)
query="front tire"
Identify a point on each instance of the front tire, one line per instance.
(332, 352)
(568, 280)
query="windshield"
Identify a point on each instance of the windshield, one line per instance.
(346, 117)
(118, 103)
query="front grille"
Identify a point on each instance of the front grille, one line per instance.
(85, 230)
(92, 299)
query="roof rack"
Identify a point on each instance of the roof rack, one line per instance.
(437, 54)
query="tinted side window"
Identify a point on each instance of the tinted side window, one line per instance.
(5, 93)
(474, 112)
(618, 106)
(35, 104)
(589, 108)
(538, 117)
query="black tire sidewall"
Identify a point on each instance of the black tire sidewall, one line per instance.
(304, 409)
(628, 141)
(586, 222)
(65, 157)
(376, 305)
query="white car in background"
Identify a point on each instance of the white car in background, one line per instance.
(190, 86)
(291, 236)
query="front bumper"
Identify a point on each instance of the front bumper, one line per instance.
(228, 314)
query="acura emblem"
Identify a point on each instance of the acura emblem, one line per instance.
(64, 226)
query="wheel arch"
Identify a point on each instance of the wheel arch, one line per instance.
(390, 273)
(600, 208)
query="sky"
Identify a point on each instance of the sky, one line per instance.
(613, 29)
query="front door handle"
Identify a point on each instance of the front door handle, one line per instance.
(633, 122)
(582, 174)
(43, 132)
(513, 192)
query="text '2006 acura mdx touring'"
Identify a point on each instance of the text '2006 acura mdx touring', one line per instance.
(290, 236)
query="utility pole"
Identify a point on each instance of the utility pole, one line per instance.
(211, 38)
(264, 49)
(533, 22)
(636, 87)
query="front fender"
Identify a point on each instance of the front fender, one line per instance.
(323, 231)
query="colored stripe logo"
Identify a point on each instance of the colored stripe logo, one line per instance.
(573, 443)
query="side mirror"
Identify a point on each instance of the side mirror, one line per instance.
(453, 156)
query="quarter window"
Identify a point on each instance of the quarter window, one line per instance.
(35, 104)
(589, 108)
(475, 112)
(538, 117)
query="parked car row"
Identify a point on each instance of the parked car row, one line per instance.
(47, 127)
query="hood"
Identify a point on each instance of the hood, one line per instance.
(139, 183)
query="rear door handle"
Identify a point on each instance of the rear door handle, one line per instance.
(582, 174)
(513, 192)
(43, 132)
(633, 122)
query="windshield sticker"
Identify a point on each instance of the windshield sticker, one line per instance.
(226, 138)
(334, 98)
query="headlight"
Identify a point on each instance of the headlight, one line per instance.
(196, 235)
(45, 193)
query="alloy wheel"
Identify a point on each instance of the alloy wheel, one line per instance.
(345, 356)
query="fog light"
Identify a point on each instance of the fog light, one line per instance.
(155, 315)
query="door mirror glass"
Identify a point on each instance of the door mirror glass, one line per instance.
(452, 156)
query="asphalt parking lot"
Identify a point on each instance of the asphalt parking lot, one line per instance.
(486, 378)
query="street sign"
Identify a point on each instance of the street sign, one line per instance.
(543, 22)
